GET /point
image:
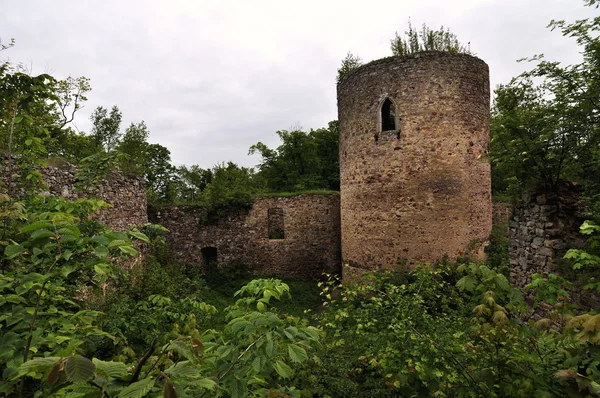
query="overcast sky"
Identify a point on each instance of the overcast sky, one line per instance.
(211, 78)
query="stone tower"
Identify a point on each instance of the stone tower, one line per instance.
(415, 178)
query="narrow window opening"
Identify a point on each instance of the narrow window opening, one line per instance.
(276, 224)
(388, 116)
(209, 258)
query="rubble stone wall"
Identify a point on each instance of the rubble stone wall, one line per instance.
(308, 245)
(125, 194)
(423, 189)
(543, 226)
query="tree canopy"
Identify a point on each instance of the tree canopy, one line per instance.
(545, 122)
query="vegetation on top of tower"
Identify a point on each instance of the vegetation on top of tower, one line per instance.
(427, 39)
(413, 41)
(349, 64)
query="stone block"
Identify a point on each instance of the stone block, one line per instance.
(538, 241)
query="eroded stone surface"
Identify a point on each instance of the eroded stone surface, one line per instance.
(423, 190)
(308, 245)
(541, 228)
(126, 195)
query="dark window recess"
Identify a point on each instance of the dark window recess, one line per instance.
(209, 257)
(388, 116)
(276, 228)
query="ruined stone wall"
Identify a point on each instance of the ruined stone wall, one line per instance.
(543, 226)
(308, 246)
(126, 195)
(424, 189)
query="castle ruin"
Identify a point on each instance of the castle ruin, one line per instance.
(415, 179)
(415, 182)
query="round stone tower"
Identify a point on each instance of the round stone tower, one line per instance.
(415, 178)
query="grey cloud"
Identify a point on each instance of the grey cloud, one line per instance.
(211, 78)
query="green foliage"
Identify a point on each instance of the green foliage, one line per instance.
(159, 172)
(133, 144)
(303, 161)
(254, 354)
(229, 273)
(586, 261)
(544, 122)
(50, 260)
(349, 64)
(426, 40)
(192, 181)
(230, 192)
(93, 170)
(106, 127)
(497, 250)
(452, 331)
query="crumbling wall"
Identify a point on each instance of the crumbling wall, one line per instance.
(308, 245)
(543, 226)
(125, 194)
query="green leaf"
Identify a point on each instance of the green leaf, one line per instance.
(117, 243)
(13, 251)
(183, 369)
(137, 389)
(36, 226)
(237, 388)
(41, 234)
(269, 348)
(183, 349)
(67, 269)
(257, 365)
(37, 365)
(102, 269)
(101, 251)
(297, 353)
(139, 236)
(116, 370)
(206, 383)
(283, 369)
(79, 369)
(467, 282)
(589, 227)
(101, 240)
(128, 250)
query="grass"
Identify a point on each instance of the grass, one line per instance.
(308, 192)
(304, 296)
(503, 198)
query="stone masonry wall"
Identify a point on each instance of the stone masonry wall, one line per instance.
(310, 243)
(541, 229)
(126, 195)
(424, 189)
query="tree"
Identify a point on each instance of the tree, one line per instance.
(159, 172)
(71, 93)
(349, 64)
(191, 182)
(426, 40)
(328, 152)
(230, 191)
(545, 122)
(303, 161)
(106, 127)
(134, 144)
